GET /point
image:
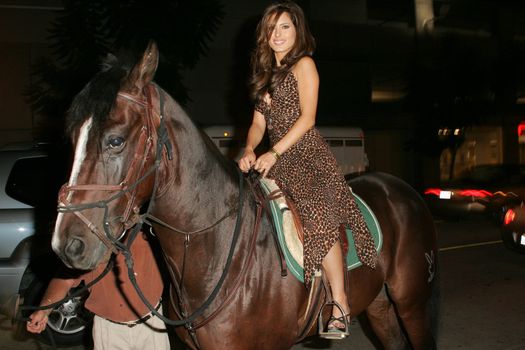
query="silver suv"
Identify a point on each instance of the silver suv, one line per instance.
(30, 177)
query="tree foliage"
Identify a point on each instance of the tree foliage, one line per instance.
(86, 31)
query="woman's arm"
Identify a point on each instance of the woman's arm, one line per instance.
(256, 132)
(255, 135)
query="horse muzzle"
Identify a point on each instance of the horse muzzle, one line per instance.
(79, 251)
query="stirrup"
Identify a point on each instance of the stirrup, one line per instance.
(334, 333)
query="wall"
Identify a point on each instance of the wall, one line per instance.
(22, 40)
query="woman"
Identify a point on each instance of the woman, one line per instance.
(285, 85)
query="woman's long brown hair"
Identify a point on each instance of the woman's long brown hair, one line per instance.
(266, 75)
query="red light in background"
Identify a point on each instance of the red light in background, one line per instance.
(465, 193)
(434, 191)
(521, 129)
(509, 216)
(475, 193)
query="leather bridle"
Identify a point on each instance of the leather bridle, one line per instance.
(135, 175)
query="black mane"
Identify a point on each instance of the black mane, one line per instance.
(98, 96)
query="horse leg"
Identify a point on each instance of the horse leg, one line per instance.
(417, 322)
(382, 317)
(413, 289)
(413, 303)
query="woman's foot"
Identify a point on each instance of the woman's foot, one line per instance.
(337, 327)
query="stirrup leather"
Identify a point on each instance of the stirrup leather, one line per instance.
(334, 333)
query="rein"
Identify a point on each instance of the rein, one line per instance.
(187, 321)
(116, 246)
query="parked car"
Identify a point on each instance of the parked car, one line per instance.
(482, 190)
(513, 229)
(30, 177)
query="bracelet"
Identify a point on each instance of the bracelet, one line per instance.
(275, 153)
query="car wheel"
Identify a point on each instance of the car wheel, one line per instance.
(511, 240)
(68, 324)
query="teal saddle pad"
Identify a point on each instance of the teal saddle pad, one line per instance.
(351, 258)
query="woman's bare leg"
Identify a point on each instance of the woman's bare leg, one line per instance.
(333, 265)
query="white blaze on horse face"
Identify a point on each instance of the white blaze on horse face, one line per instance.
(80, 155)
(80, 151)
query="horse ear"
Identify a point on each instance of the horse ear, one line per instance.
(143, 72)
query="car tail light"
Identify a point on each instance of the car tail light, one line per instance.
(475, 193)
(509, 217)
(434, 191)
(514, 219)
(444, 194)
(439, 193)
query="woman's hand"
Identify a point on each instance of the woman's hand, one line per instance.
(37, 321)
(264, 163)
(247, 160)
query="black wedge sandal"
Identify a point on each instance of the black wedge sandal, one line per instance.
(336, 332)
(332, 331)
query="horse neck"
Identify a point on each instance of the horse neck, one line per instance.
(204, 190)
(202, 185)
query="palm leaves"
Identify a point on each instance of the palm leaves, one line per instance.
(85, 31)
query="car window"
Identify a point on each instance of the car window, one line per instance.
(35, 181)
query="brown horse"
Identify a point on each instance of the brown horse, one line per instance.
(135, 149)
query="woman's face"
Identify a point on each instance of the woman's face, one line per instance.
(283, 36)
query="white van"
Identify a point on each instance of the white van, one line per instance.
(347, 144)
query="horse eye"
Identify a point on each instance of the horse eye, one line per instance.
(115, 141)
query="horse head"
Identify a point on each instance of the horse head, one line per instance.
(112, 123)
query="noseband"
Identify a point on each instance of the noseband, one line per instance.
(136, 174)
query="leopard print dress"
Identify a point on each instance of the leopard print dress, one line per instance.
(308, 172)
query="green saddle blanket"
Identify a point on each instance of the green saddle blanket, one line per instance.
(289, 241)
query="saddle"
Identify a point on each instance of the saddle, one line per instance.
(290, 234)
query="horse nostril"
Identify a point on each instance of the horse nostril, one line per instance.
(74, 248)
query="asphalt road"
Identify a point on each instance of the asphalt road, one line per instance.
(483, 296)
